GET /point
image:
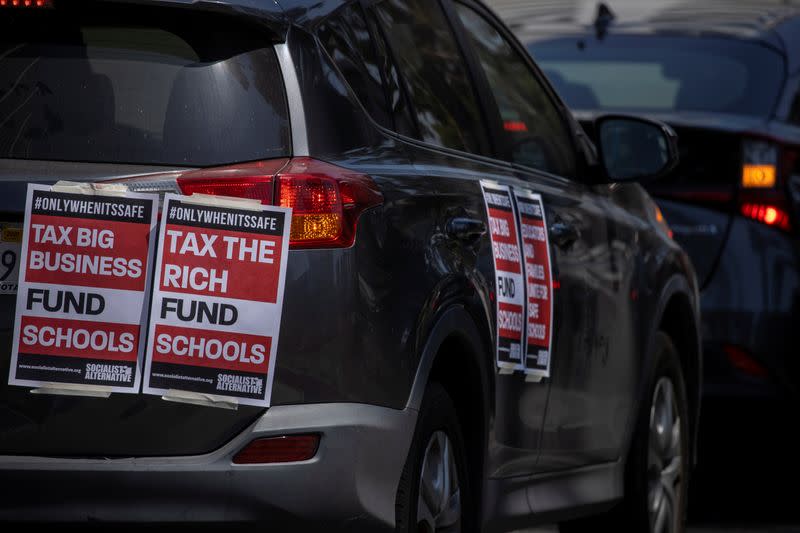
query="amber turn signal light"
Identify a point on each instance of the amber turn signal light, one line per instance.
(758, 176)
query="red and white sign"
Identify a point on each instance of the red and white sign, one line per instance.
(217, 299)
(538, 283)
(508, 267)
(83, 280)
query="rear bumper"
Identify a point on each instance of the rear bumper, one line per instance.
(723, 380)
(349, 485)
(752, 305)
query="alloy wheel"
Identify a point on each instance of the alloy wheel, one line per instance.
(665, 460)
(439, 500)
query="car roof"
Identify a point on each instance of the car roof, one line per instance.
(773, 22)
(278, 15)
(277, 12)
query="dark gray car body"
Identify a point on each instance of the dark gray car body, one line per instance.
(363, 331)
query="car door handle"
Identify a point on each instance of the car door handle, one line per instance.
(564, 235)
(465, 229)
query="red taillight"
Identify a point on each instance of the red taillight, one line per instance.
(248, 180)
(762, 190)
(515, 126)
(326, 200)
(256, 188)
(288, 449)
(26, 3)
(771, 215)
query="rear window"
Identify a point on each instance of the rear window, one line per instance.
(143, 86)
(663, 73)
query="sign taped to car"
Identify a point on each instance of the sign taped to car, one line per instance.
(508, 269)
(217, 298)
(82, 286)
(538, 283)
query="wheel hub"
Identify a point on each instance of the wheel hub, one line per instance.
(439, 501)
(664, 460)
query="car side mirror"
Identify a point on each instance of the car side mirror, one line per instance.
(635, 149)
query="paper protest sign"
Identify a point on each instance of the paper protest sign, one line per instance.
(510, 287)
(217, 299)
(538, 283)
(83, 279)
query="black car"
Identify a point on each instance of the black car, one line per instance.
(726, 77)
(426, 378)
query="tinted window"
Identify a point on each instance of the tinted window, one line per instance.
(435, 73)
(398, 98)
(535, 129)
(663, 73)
(347, 39)
(151, 90)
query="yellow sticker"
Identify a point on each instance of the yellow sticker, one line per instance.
(12, 234)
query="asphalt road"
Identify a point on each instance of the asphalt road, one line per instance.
(745, 482)
(753, 528)
(748, 467)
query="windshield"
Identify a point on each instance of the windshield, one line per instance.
(663, 73)
(141, 91)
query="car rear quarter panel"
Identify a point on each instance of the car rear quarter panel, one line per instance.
(404, 270)
(355, 322)
(753, 302)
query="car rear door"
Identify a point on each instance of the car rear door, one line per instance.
(102, 93)
(451, 145)
(541, 142)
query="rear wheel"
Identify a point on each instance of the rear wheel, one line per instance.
(434, 488)
(657, 470)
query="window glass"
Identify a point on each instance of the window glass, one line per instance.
(435, 73)
(533, 125)
(347, 39)
(663, 73)
(141, 91)
(397, 97)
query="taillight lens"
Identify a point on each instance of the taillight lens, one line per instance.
(758, 176)
(248, 180)
(319, 216)
(759, 164)
(771, 215)
(326, 200)
(26, 3)
(762, 193)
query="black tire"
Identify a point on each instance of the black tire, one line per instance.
(437, 413)
(631, 514)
